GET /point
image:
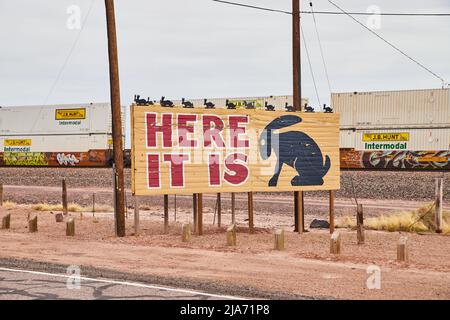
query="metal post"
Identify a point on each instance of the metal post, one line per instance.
(166, 213)
(250, 213)
(438, 212)
(219, 210)
(233, 208)
(119, 190)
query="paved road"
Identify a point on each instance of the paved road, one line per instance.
(29, 285)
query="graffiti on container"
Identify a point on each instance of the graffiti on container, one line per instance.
(409, 160)
(67, 159)
(25, 159)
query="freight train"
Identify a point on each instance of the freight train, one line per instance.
(77, 135)
(396, 130)
(388, 130)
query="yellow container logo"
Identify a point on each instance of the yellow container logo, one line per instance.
(388, 136)
(18, 143)
(70, 114)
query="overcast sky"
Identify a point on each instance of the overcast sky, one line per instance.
(199, 48)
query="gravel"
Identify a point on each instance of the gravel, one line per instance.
(361, 184)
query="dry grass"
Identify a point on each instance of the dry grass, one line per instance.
(9, 205)
(71, 207)
(421, 220)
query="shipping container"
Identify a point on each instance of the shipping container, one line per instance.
(394, 130)
(57, 135)
(396, 139)
(428, 108)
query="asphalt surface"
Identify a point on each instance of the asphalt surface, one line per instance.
(16, 284)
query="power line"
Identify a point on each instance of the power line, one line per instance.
(343, 12)
(252, 7)
(401, 14)
(321, 48)
(387, 42)
(310, 65)
(63, 67)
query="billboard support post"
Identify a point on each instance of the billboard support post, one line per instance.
(200, 213)
(250, 213)
(331, 211)
(219, 210)
(195, 213)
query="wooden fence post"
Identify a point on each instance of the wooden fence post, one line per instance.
(438, 212)
(59, 217)
(360, 224)
(335, 243)
(251, 229)
(402, 250)
(33, 225)
(6, 222)
(70, 227)
(186, 232)
(200, 213)
(136, 215)
(331, 211)
(231, 235)
(166, 213)
(279, 239)
(64, 196)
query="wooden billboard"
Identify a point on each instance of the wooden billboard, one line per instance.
(186, 151)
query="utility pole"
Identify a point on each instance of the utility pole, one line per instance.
(296, 55)
(119, 189)
(297, 72)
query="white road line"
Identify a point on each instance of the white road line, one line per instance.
(125, 283)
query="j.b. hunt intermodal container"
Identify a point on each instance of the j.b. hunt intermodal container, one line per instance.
(56, 135)
(395, 129)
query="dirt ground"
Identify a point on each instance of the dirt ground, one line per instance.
(305, 268)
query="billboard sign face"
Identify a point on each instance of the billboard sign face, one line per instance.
(185, 151)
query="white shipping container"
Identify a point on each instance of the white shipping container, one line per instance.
(418, 139)
(73, 119)
(393, 109)
(55, 143)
